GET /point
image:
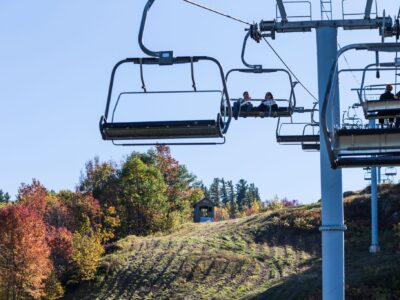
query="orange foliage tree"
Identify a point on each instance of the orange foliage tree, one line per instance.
(24, 253)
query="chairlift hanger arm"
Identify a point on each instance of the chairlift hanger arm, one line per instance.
(368, 8)
(255, 67)
(164, 56)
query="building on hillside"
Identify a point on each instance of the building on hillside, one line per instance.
(204, 211)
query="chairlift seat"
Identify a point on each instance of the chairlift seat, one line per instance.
(312, 138)
(256, 112)
(162, 130)
(311, 147)
(389, 160)
(369, 141)
(375, 109)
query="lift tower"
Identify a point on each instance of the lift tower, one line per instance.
(332, 226)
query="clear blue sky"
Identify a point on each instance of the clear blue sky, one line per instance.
(55, 63)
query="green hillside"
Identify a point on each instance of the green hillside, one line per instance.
(273, 255)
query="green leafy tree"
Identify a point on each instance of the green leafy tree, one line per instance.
(142, 197)
(100, 180)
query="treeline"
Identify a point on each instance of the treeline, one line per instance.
(233, 200)
(49, 241)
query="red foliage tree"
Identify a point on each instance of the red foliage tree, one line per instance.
(33, 196)
(24, 253)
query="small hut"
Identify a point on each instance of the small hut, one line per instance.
(204, 211)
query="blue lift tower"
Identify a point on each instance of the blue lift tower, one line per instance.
(332, 227)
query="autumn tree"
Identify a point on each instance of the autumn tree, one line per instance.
(86, 253)
(24, 253)
(101, 181)
(33, 197)
(182, 188)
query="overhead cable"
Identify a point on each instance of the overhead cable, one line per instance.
(247, 23)
(216, 12)
(288, 68)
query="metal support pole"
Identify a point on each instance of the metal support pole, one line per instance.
(368, 7)
(282, 10)
(374, 247)
(332, 227)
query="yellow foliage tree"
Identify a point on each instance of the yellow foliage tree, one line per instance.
(87, 252)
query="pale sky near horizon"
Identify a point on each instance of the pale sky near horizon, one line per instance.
(55, 64)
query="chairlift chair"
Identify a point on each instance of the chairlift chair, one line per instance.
(359, 147)
(367, 174)
(390, 171)
(286, 107)
(308, 138)
(373, 107)
(150, 132)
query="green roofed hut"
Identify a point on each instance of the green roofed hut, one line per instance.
(204, 211)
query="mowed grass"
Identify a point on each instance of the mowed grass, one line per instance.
(273, 255)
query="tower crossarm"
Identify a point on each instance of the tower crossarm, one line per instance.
(348, 24)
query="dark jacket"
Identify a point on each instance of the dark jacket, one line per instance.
(387, 96)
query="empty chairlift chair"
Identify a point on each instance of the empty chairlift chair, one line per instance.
(286, 107)
(305, 134)
(166, 131)
(359, 147)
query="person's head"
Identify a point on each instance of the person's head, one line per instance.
(269, 95)
(246, 95)
(389, 88)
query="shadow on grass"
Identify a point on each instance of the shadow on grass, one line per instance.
(307, 285)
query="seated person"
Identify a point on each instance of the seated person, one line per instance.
(397, 124)
(269, 104)
(387, 95)
(245, 103)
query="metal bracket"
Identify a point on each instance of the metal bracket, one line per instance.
(165, 57)
(255, 67)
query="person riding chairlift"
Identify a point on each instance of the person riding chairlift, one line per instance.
(387, 95)
(269, 105)
(245, 103)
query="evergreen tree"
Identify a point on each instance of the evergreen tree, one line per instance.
(215, 192)
(241, 193)
(252, 195)
(4, 197)
(224, 193)
(232, 199)
(205, 190)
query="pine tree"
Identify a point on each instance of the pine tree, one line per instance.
(241, 193)
(4, 197)
(215, 192)
(224, 193)
(252, 195)
(232, 199)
